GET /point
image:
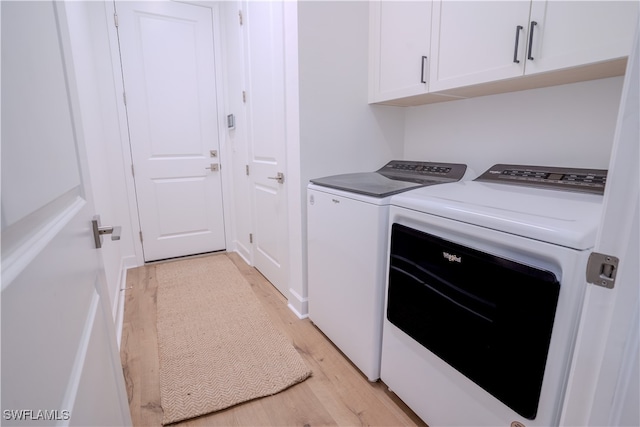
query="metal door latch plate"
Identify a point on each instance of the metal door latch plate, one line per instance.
(602, 270)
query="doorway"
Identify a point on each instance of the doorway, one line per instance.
(250, 199)
(169, 72)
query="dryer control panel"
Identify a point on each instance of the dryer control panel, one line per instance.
(555, 178)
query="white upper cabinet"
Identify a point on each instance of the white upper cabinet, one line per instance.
(429, 51)
(477, 41)
(571, 33)
(399, 49)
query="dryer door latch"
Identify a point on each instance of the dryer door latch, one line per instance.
(602, 270)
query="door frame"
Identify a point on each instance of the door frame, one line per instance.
(600, 383)
(269, 96)
(295, 189)
(297, 299)
(225, 160)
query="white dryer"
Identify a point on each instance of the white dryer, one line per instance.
(347, 218)
(485, 285)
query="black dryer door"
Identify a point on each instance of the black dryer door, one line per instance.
(488, 317)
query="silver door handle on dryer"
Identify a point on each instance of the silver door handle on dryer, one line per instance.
(279, 177)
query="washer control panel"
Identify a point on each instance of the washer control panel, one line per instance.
(556, 178)
(428, 171)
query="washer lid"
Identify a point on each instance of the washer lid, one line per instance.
(368, 183)
(561, 218)
(395, 177)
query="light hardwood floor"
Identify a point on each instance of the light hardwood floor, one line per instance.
(336, 394)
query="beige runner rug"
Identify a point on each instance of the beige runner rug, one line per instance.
(216, 343)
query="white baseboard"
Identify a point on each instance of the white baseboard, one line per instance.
(118, 303)
(297, 313)
(298, 304)
(244, 252)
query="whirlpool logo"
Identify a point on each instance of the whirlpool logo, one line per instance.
(451, 257)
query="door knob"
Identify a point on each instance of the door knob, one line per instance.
(279, 177)
(213, 167)
(99, 230)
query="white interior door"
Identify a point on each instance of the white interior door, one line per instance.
(604, 384)
(168, 67)
(60, 360)
(267, 139)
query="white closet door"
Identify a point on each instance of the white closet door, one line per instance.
(169, 77)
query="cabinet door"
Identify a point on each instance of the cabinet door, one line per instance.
(571, 33)
(477, 41)
(400, 33)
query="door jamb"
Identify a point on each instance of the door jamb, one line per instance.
(114, 46)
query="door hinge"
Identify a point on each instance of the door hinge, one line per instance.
(244, 96)
(246, 169)
(115, 19)
(250, 237)
(240, 17)
(141, 239)
(602, 270)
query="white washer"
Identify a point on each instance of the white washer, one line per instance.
(488, 278)
(347, 219)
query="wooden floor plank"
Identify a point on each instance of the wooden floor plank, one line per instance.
(139, 351)
(337, 393)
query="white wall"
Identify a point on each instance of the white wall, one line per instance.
(570, 125)
(339, 131)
